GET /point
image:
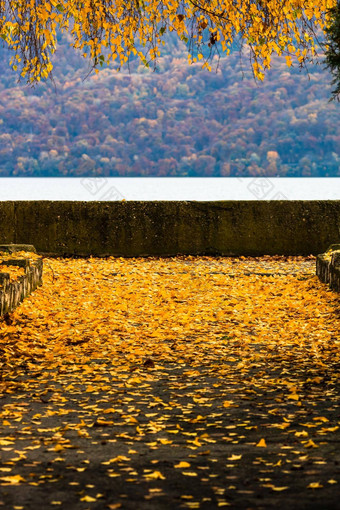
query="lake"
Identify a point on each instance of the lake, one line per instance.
(170, 188)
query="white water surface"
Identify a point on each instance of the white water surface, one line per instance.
(172, 188)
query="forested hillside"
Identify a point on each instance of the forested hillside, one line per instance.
(175, 121)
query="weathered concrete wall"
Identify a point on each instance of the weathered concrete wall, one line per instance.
(170, 228)
(328, 267)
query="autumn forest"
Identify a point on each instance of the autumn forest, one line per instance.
(174, 120)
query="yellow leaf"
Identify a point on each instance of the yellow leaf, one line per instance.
(4, 442)
(315, 485)
(330, 429)
(88, 499)
(310, 444)
(227, 403)
(278, 489)
(165, 441)
(130, 419)
(235, 457)
(262, 443)
(283, 426)
(119, 458)
(189, 473)
(13, 480)
(104, 423)
(289, 61)
(196, 442)
(197, 419)
(155, 475)
(134, 380)
(320, 418)
(303, 433)
(182, 464)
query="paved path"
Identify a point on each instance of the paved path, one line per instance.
(250, 425)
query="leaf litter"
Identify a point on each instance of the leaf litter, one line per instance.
(188, 382)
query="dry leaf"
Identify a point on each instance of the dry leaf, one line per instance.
(182, 464)
(310, 444)
(155, 475)
(88, 499)
(12, 479)
(315, 485)
(235, 457)
(228, 403)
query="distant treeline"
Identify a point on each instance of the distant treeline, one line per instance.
(175, 121)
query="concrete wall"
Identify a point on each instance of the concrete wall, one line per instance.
(171, 228)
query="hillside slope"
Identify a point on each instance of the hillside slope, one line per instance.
(175, 121)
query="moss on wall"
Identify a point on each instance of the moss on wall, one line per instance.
(164, 228)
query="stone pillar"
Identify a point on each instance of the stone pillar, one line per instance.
(12, 293)
(328, 267)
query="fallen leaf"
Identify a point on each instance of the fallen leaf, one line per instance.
(227, 403)
(88, 499)
(310, 444)
(182, 464)
(165, 441)
(315, 485)
(12, 479)
(155, 475)
(303, 433)
(119, 458)
(5, 442)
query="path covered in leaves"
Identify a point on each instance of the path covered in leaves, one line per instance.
(172, 383)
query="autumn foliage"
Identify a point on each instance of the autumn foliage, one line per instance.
(109, 32)
(178, 121)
